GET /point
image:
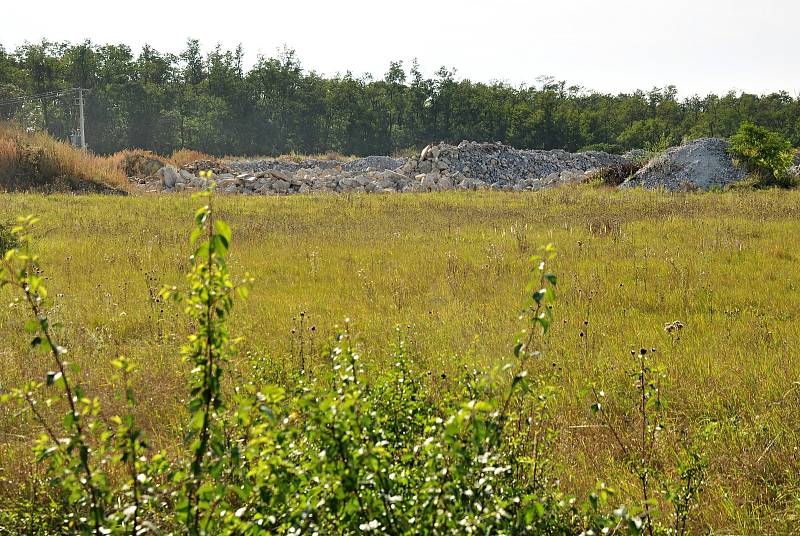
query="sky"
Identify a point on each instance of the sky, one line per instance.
(613, 46)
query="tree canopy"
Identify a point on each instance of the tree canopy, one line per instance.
(210, 102)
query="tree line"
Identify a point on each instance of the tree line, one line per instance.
(210, 102)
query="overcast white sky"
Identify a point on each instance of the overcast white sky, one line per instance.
(606, 45)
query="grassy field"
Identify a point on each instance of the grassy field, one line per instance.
(451, 269)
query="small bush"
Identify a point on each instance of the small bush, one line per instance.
(767, 155)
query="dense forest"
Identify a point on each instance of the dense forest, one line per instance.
(210, 102)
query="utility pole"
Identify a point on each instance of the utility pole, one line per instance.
(82, 123)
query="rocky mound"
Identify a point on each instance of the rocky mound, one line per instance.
(439, 167)
(700, 164)
(502, 167)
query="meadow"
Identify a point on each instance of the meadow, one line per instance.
(450, 270)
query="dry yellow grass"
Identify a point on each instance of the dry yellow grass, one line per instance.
(137, 162)
(296, 157)
(37, 161)
(181, 157)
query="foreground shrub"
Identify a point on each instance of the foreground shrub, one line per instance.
(767, 155)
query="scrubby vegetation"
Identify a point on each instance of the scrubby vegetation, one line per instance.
(767, 155)
(289, 421)
(162, 102)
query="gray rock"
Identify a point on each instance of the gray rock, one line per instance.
(169, 176)
(280, 186)
(373, 163)
(281, 175)
(439, 166)
(445, 183)
(428, 182)
(425, 166)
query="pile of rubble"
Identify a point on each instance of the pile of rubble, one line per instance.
(468, 166)
(501, 167)
(794, 171)
(697, 165)
(214, 166)
(700, 164)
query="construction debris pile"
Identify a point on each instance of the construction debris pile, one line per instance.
(699, 164)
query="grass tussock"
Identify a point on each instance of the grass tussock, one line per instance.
(181, 157)
(36, 161)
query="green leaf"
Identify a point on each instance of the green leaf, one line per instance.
(53, 377)
(224, 231)
(196, 233)
(201, 215)
(219, 245)
(519, 378)
(539, 295)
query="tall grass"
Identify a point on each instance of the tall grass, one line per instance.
(449, 268)
(38, 160)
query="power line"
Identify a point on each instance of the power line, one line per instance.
(40, 96)
(80, 102)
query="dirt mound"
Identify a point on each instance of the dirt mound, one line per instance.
(700, 164)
